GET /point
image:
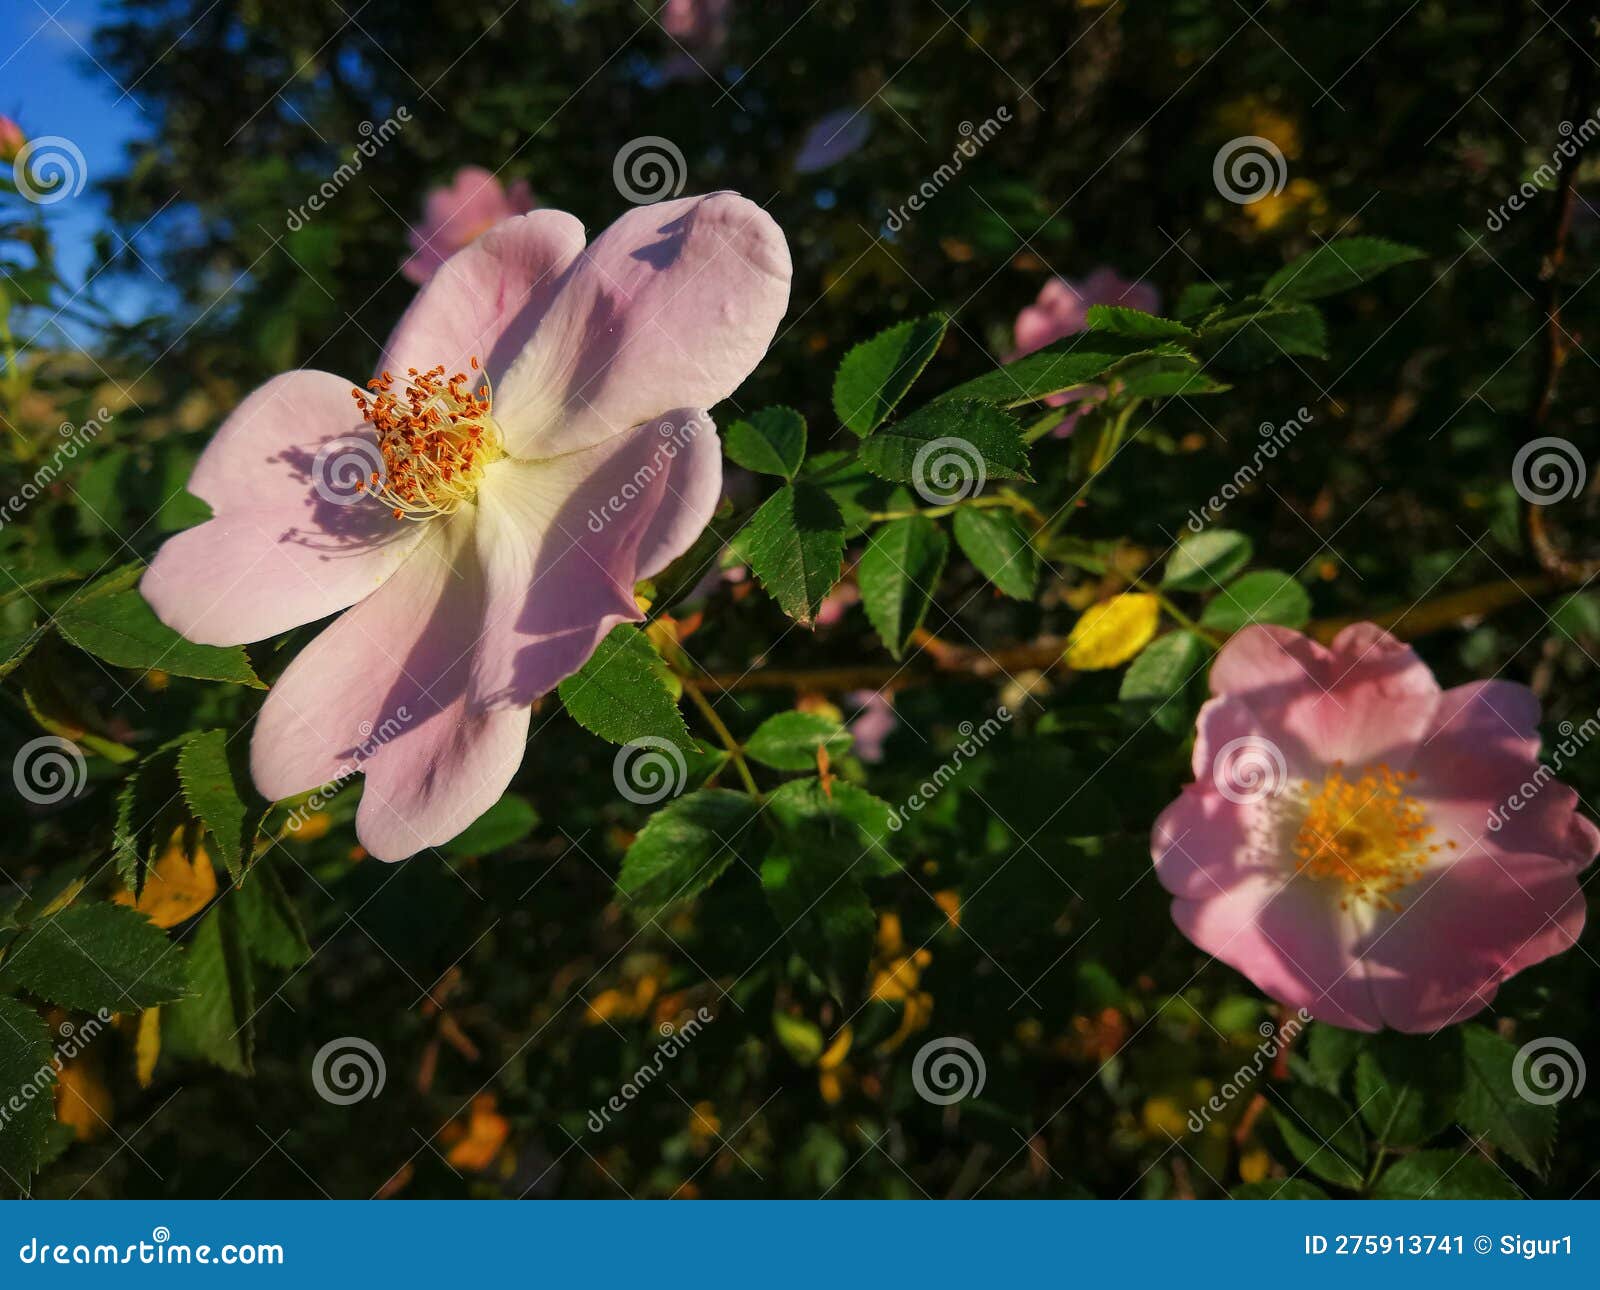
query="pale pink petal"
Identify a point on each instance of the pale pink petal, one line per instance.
(564, 540)
(486, 300)
(1289, 938)
(383, 691)
(1203, 843)
(672, 306)
(1462, 930)
(291, 540)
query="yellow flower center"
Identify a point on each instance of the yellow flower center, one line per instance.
(437, 438)
(1367, 833)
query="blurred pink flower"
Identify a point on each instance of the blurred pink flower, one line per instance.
(700, 27)
(1062, 309)
(453, 216)
(832, 138)
(11, 138)
(578, 461)
(836, 602)
(1367, 846)
(873, 722)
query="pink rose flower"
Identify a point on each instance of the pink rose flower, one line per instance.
(502, 515)
(11, 138)
(1062, 309)
(1367, 846)
(700, 28)
(873, 723)
(468, 207)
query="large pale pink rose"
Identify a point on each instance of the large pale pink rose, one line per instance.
(466, 208)
(1061, 310)
(505, 510)
(1367, 846)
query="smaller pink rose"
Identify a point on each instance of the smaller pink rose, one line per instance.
(11, 139)
(1062, 309)
(873, 723)
(458, 214)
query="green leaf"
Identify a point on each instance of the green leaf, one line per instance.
(26, 1063)
(1331, 1050)
(1408, 1085)
(96, 956)
(899, 576)
(1162, 376)
(150, 806)
(849, 819)
(821, 906)
(876, 374)
(15, 647)
(795, 544)
(216, 1022)
(684, 848)
(1078, 360)
(1207, 560)
(211, 789)
(1261, 335)
(1279, 1189)
(999, 548)
(1267, 596)
(789, 740)
(800, 1038)
(623, 692)
(267, 921)
(772, 442)
(1493, 1109)
(948, 450)
(1120, 320)
(1336, 266)
(1444, 1175)
(112, 621)
(508, 821)
(1162, 672)
(1324, 1135)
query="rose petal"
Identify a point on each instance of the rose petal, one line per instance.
(291, 541)
(672, 306)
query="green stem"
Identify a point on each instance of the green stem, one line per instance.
(735, 750)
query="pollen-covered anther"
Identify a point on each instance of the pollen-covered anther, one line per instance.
(437, 436)
(1367, 833)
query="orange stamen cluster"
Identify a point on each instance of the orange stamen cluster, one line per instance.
(437, 437)
(1367, 833)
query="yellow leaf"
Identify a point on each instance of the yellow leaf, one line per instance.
(83, 1102)
(487, 1131)
(176, 887)
(1112, 632)
(148, 1046)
